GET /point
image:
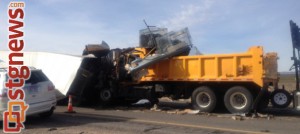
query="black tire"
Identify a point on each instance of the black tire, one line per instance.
(152, 97)
(264, 102)
(204, 99)
(238, 99)
(105, 97)
(280, 98)
(47, 114)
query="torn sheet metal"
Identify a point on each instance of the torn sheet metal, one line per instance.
(169, 45)
(97, 49)
(147, 37)
(60, 68)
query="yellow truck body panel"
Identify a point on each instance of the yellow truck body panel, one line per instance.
(236, 67)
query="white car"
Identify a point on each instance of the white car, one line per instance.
(39, 93)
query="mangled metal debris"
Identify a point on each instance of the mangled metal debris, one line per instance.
(97, 49)
(166, 46)
(266, 116)
(141, 102)
(148, 35)
(238, 117)
(52, 129)
(112, 67)
(170, 110)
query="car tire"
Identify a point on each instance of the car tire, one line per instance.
(204, 99)
(238, 99)
(47, 114)
(280, 98)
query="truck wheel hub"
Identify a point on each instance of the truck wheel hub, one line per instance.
(238, 100)
(280, 98)
(203, 99)
(105, 95)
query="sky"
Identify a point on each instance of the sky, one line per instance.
(216, 26)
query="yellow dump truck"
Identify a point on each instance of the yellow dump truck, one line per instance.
(162, 67)
(240, 81)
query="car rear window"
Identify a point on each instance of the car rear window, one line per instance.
(37, 76)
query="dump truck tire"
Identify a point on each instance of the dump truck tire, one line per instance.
(204, 99)
(238, 99)
(280, 98)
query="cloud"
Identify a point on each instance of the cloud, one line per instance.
(189, 15)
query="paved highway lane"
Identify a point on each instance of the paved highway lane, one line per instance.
(122, 120)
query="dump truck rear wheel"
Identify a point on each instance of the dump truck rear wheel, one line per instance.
(280, 98)
(238, 100)
(204, 99)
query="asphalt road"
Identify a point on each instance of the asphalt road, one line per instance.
(123, 119)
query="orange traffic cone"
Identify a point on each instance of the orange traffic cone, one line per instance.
(70, 107)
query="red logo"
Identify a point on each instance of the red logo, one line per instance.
(15, 115)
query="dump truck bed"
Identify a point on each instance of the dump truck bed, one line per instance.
(236, 67)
